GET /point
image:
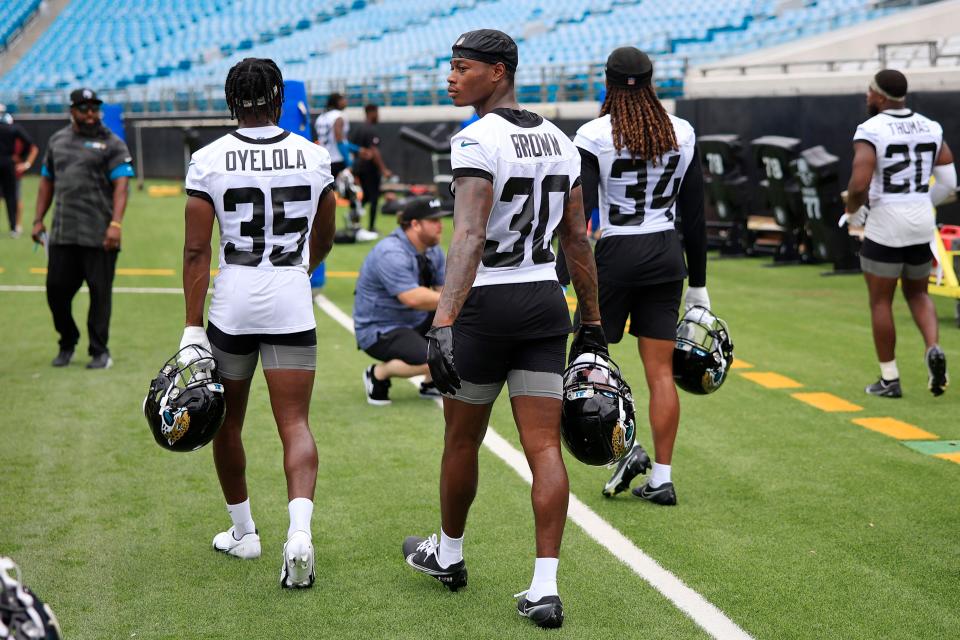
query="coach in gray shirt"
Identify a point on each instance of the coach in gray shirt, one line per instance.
(397, 293)
(86, 168)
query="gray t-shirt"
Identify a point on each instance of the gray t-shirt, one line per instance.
(83, 170)
(388, 270)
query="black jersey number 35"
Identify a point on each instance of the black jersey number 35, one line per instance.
(522, 222)
(255, 227)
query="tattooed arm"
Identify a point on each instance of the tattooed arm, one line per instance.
(580, 263)
(471, 210)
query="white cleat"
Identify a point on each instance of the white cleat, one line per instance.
(247, 547)
(297, 570)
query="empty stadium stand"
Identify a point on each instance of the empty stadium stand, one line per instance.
(13, 15)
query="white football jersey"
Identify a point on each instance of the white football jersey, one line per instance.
(533, 166)
(264, 184)
(636, 196)
(907, 146)
(325, 134)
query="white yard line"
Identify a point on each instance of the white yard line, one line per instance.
(702, 612)
(39, 289)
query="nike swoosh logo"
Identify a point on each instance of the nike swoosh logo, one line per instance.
(464, 143)
(426, 570)
(653, 492)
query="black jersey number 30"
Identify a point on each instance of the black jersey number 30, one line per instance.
(255, 227)
(522, 222)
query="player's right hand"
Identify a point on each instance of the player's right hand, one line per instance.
(194, 336)
(589, 339)
(440, 359)
(38, 233)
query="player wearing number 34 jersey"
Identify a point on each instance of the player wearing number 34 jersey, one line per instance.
(271, 194)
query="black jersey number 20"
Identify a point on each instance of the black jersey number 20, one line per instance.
(255, 228)
(901, 152)
(522, 222)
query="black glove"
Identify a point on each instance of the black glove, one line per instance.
(440, 359)
(589, 338)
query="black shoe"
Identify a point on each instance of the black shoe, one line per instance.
(101, 361)
(937, 370)
(547, 612)
(422, 554)
(63, 358)
(429, 391)
(662, 495)
(378, 391)
(887, 388)
(629, 467)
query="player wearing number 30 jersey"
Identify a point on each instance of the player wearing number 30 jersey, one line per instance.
(644, 164)
(271, 194)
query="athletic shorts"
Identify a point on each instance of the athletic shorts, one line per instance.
(652, 309)
(404, 344)
(513, 333)
(237, 354)
(913, 262)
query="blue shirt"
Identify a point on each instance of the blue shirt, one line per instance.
(388, 270)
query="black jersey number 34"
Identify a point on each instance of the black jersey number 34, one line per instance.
(255, 227)
(522, 222)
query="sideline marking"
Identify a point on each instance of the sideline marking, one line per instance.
(952, 457)
(707, 616)
(826, 402)
(740, 364)
(772, 380)
(934, 447)
(121, 271)
(895, 428)
(23, 288)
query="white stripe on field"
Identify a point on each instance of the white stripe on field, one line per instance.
(701, 611)
(39, 289)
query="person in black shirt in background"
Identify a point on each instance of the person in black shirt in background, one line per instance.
(369, 167)
(10, 170)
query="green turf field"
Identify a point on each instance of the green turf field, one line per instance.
(795, 522)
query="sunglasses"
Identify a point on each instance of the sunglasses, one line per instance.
(86, 107)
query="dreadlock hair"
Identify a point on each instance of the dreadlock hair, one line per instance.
(639, 122)
(254, 89)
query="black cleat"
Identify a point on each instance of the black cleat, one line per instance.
(630, 466)
(429, 391)
(886, 388)
(662, 495)
(378, 391)
(422, 554)
(937, 370)
(547, 612)
(101, 361)
(63, 358)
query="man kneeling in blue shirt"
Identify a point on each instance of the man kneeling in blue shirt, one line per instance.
(397, 293)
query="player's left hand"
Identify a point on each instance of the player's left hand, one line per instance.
(696, 297)
(111, 241)
(440, 359)
(193, 337)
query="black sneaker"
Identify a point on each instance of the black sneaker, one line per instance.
(422, 554)
(662, 495)
(547, 612)
(101, 361)
(886, 388)
(378, 391)
(937, 370)
(63, 358)
(629, 467)
(429, 391)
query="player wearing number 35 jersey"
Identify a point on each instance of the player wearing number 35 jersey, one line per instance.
(644, 164)
(271, 194)
(502, 316)
(896, 152)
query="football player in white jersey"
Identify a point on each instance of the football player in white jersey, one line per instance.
(895, 153)
(332, 129)
(643, 163)
(502, 316)
(270, 192)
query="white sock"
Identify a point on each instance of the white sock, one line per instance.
(544, 581)
(242, 520)
(301, 512)
(660, 475)
(451, 550)
(888, 370)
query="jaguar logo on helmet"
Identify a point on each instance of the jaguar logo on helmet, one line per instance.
(703, 352)
(175, 423)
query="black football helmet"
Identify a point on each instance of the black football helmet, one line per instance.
(597, 421)
(23, 616)
(184, 406)
(703, 352)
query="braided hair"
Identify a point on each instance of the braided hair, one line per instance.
(254, 89)
(639, 122)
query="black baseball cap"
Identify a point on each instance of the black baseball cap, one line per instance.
(423, 208)
(630, 68)
(84, 95)
(487, 45)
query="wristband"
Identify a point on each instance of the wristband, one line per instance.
(114, 223)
